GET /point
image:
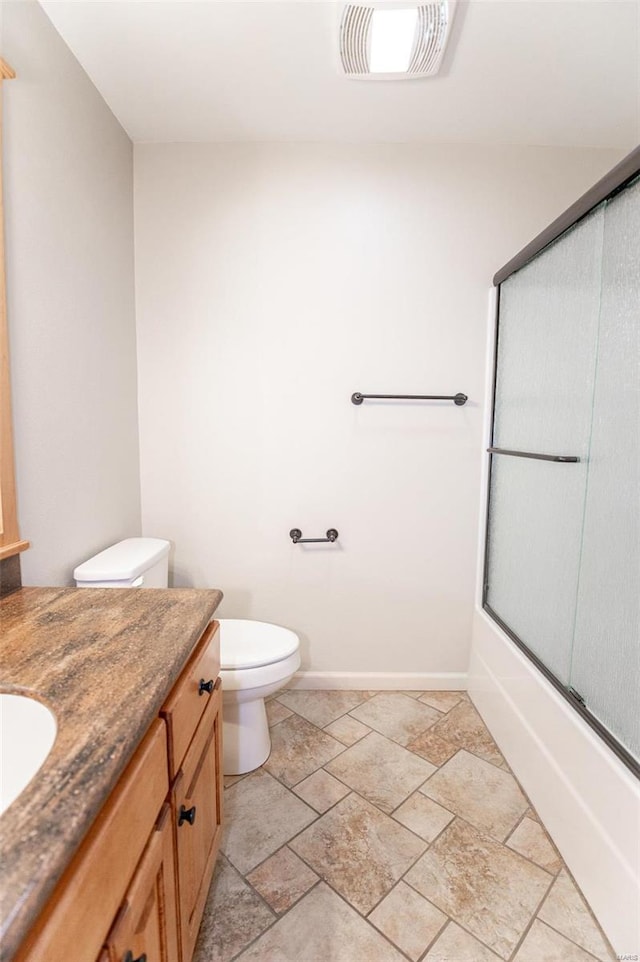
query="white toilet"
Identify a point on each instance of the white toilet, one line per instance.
(256, 658)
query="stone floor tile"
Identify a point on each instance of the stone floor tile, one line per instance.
(321, 928)
(282, 879)
(487, 888)
(464, 728)
(233, 916)
(397, 716)
(276, 712)
(481, 793)
(408, 920)
(230, 780)
(432, 747)
(531, 840)
(564, 909)
(385, 773)
(423, 816)
(412, 694)
(299, 748)
(456, 945)
(542, 944)
(442, 700)
(347, 730)
(321, 707)
(260, 816)
(321, 790)
(359, 851)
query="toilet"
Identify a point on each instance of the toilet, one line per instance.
(256, 658)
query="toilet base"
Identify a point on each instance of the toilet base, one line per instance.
(245, 735)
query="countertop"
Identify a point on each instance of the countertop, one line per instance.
(103, 660)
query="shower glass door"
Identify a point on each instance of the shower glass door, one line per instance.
(562, 568)
(605, 664)
(545, 370)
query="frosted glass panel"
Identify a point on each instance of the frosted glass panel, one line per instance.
(544, 384)
(563, 541)
(606, 655)
(546, 345)
(535, 524)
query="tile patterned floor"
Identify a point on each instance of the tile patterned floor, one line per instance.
(387, 827)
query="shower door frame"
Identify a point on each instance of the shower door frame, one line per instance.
(612, 183)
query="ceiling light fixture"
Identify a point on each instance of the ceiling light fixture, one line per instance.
(393, 39)
(393, 35)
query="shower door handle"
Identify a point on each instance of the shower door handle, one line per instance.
(564, 458)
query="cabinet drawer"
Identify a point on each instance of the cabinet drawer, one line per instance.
(197, 804)
(75, 923)
(188, 701)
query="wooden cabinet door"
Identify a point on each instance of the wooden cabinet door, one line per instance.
(77, 918)
(197, 801)
(146, 926)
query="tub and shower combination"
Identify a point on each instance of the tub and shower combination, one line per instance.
(555, 665)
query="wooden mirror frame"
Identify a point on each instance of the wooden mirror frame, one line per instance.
(10, 542)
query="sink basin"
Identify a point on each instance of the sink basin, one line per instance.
(27, 733)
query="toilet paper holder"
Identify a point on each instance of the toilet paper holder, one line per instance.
(296, 536)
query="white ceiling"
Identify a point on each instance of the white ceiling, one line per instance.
(549, 72)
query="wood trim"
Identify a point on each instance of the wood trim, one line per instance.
(7, 550)
(10, 542)
(628, 168)
(6, 72)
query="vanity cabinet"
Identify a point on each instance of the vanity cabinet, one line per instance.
(138, 884)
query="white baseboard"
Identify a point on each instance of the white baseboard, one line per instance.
(379, 681)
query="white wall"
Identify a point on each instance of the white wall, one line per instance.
(68, 171)
(272, 281)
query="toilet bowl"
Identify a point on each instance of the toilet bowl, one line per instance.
(257, 659)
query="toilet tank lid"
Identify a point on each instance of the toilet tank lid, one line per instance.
(122, 561)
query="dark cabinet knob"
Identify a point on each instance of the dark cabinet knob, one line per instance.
(205, 686)
(129, 957)
(187, 815)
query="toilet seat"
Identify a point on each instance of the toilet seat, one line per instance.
(250, 679)
(245, 645)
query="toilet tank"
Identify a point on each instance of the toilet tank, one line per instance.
(132, 563)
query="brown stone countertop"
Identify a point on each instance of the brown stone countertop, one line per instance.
(103, 660)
